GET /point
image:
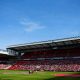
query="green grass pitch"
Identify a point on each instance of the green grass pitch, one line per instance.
(23, 75)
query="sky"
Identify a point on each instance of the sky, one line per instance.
(25, 21)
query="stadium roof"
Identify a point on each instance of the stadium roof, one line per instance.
(3, 52)
(49, 43)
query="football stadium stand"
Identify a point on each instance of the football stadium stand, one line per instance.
(52, 55)
(5, 59)
(47, 65)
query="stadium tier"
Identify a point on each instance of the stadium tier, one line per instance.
(49, 60)
(47, 65)
(6, 60)
(52, 55)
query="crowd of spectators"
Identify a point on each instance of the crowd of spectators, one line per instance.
(4, 66)
(48, 65)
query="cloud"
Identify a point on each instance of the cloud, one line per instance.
(32, 26)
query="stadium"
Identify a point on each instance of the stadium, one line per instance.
(52, 59)
(39, 39)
